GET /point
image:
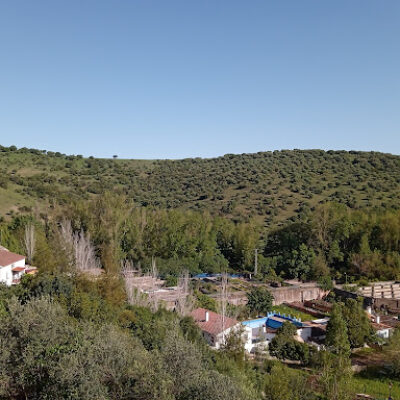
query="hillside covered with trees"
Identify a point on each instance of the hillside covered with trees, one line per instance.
(272, 187)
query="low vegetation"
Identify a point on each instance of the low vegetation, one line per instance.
(283, 309)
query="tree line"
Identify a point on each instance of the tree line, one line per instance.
(333, 241)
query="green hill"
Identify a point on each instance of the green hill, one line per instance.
(270, 186)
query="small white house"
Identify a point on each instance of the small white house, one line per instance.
(12, 267)
(382, 330)
(215, 329)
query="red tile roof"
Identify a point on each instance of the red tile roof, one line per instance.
(386, 322)
(214, 324)
(8, 258)
(18, 269)
(380, 327)
(315, 325)
(390, 321)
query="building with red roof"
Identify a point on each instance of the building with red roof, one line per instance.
(12, 267)
(215, 328)
(381, 328)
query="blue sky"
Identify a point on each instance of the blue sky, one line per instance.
(173, 79)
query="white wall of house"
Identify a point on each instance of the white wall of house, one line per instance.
(216, 341)
(20, 263)
(262, 338)
(6, 275)
(210, 339)
(247, 339)
(220, 337)
(305, 333)
(269, 336)
(258, 339)
(383, 333)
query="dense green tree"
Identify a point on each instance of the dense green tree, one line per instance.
(259, 300)
(285, 346)
(336, 332)
(301, 262)
(215, 386)
(393, 353)
(335, 378)
(281, 383)
(204, 301)
(53, 357)
(359, 328)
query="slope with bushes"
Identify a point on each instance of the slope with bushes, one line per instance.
(270, 186)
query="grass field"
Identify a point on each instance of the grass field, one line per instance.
(378, 388)
(11, 200)
(291, 311)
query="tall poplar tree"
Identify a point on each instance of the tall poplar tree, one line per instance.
(336, 333)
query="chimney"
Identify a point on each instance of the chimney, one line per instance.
(207, 316)
(378, 319)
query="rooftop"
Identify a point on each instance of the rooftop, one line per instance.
(273, 321)
(390, 321)
(8, 258)
(214, 324)
(380, 327)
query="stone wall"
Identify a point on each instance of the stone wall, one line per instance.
(235, 298)
(286, 294)
(299, 293)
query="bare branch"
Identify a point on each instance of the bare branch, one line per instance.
(85, 255)
(154, 274)
(79, 249)
(223, 303)
(30, 241)
(184, 303)
(67, 242)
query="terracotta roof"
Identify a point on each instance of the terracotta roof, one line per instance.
(379, 327)
(386, 322)
(7, 258)
(214, 324)
(390, 321)
(315, 325)
(18, 269)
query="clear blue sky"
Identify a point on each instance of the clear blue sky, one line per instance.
(181, 78)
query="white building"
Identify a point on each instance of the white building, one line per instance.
(263, 330)
(382, 330)
(215, 329)
(12, 267)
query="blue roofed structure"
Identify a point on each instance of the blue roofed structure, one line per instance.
(255, 323)
(273, 321)
(205, 275)
(264, 329)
